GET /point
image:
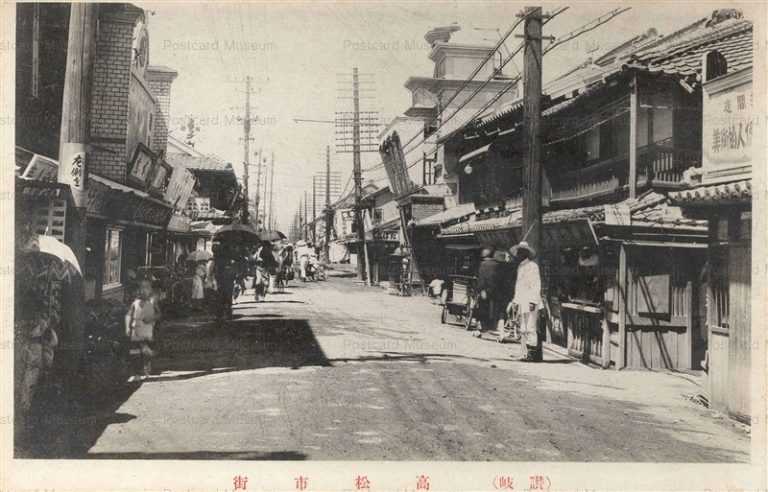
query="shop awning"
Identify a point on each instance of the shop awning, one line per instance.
(447, 215)
(122, 204)
(475, 153)
(651, 213)
(462, 247)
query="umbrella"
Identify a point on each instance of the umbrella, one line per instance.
(237, 232)
(271, 236)
(199, 255)
(48, 252)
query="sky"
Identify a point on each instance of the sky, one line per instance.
(300, 57)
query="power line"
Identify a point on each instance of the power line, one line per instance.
(589, 26)
(464, 85)
(461, 106)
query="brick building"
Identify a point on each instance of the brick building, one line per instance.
(132, 192)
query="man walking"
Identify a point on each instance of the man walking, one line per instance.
(527, 300)
(488, 280)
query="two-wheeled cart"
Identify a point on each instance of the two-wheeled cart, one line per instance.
(459, 300)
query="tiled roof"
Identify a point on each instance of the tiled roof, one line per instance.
(197, 163)
(738, 191)
(681, 53)
(650, 209)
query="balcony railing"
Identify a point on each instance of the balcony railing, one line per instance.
(659, 164)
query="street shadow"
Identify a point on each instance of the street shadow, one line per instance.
(342, 274)
(68, 425)
(290, 301)
(422, 358)
(557, 361)
(204, 455)
(239, 344)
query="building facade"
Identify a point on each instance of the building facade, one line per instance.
(621, 263)
(721, 192)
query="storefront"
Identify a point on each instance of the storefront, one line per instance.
(383, 259)
(442, 257)
(620, 281)
(126, 230)
(722, 193)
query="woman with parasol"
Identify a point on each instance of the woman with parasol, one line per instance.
(48, 282)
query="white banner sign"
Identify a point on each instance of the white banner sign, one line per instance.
(728, 127)
(72, 170)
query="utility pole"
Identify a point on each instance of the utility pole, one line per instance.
(270, 222)
(258, 187)
(328, 211)
(362, 256)
(76, 109)
(263, 193)
(314, 209)
(73, 152)
(300, 234)
(306, 230)
(532, 60)
(247, 147)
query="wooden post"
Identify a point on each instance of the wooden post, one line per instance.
(357, 174)
(531, 126)
(621, 359)
(633, 116)
(532, 60)
(328, 211)
(73, 163)
(606, 362)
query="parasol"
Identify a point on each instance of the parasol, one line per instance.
(199, 255)
(241, 233)
(49, 253)
(271, 236)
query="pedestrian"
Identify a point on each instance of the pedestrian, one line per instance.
(224, 271)
(527, 301)
(140, 325)
(198, 282)
(260, 281)
(488, 290)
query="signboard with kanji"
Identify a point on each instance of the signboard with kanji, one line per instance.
(729, 125)
(158, 182)
(73, 170)
(179, 188)
(41, 168)
(140, 168)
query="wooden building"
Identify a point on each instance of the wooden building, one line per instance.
(723, 195)
(622, 266)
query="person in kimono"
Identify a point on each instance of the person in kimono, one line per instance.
(527, 301)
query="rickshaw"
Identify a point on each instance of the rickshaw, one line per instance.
(459, 300)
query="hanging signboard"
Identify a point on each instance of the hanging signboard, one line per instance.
(140, 167)
(160, 177)
(179, 187)
(392, 156)
(41, 168)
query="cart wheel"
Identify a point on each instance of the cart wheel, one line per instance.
(444, 315)
(468, 316)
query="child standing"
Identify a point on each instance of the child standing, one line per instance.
(140, 325)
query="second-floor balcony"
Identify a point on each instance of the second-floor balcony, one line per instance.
(660, 165)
